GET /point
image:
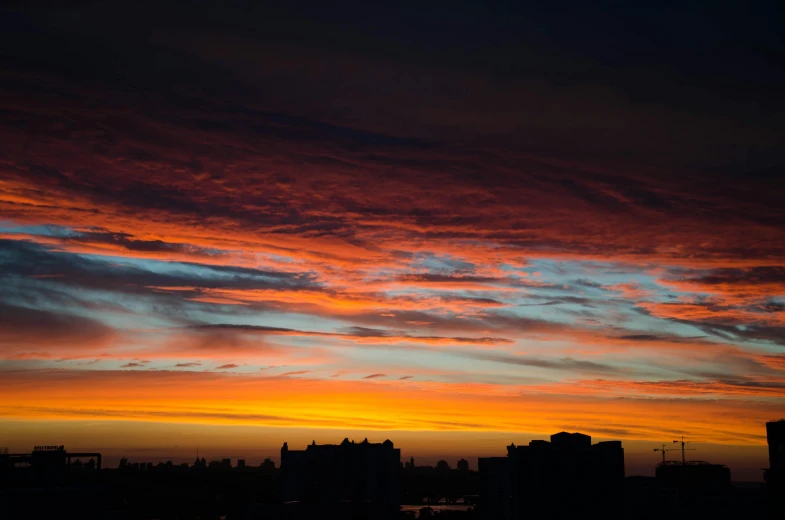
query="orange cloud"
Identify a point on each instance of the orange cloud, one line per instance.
(214, 398)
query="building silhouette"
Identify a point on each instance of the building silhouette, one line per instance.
(694, 487)
(775, 475)
(49, 465)
(267, 465)
(694, 479)
(363, 477)
(560, 478)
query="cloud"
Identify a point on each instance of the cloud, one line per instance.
(776, 362)
(729, 322)
(227, 366)
(44, 257)
(295, 373)
(23, 329)
(566, 363)
(187, 365)
(374, 376)
(688, 387)
(358, 334)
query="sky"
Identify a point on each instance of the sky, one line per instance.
(456, 226)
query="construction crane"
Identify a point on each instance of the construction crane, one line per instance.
(684, 448)
(664, 450)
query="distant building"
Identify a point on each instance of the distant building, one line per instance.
(49, 465)
(463, 465)
(566, 476)
(495, 499)
(240, 463)
(267, 465)
(775, 435)
(694, 478)
(364, 474)
(775, 475)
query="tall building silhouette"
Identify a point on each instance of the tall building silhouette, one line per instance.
(559, 478)
(775, 475)
(363, 474)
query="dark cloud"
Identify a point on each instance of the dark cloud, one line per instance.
(129, 243)
(735, 328)
(23, 328)
(447, 278)
(771, 306)
(768, 334)
(227, 366)
(350, 333)
(39, 276)
(243, 328)
(187, 365)
(374, 376)
(565, 363)
(659, 337)
(295, 373)
(589, 283)
(774, 388)
(504, 178)
(751, 277)
(26, 259)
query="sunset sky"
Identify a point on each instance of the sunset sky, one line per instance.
(455, 227)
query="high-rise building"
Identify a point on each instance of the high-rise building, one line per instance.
(775, 435)
(566, 476)
(775, 475)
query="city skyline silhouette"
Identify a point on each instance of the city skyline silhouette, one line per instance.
(362, 479)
